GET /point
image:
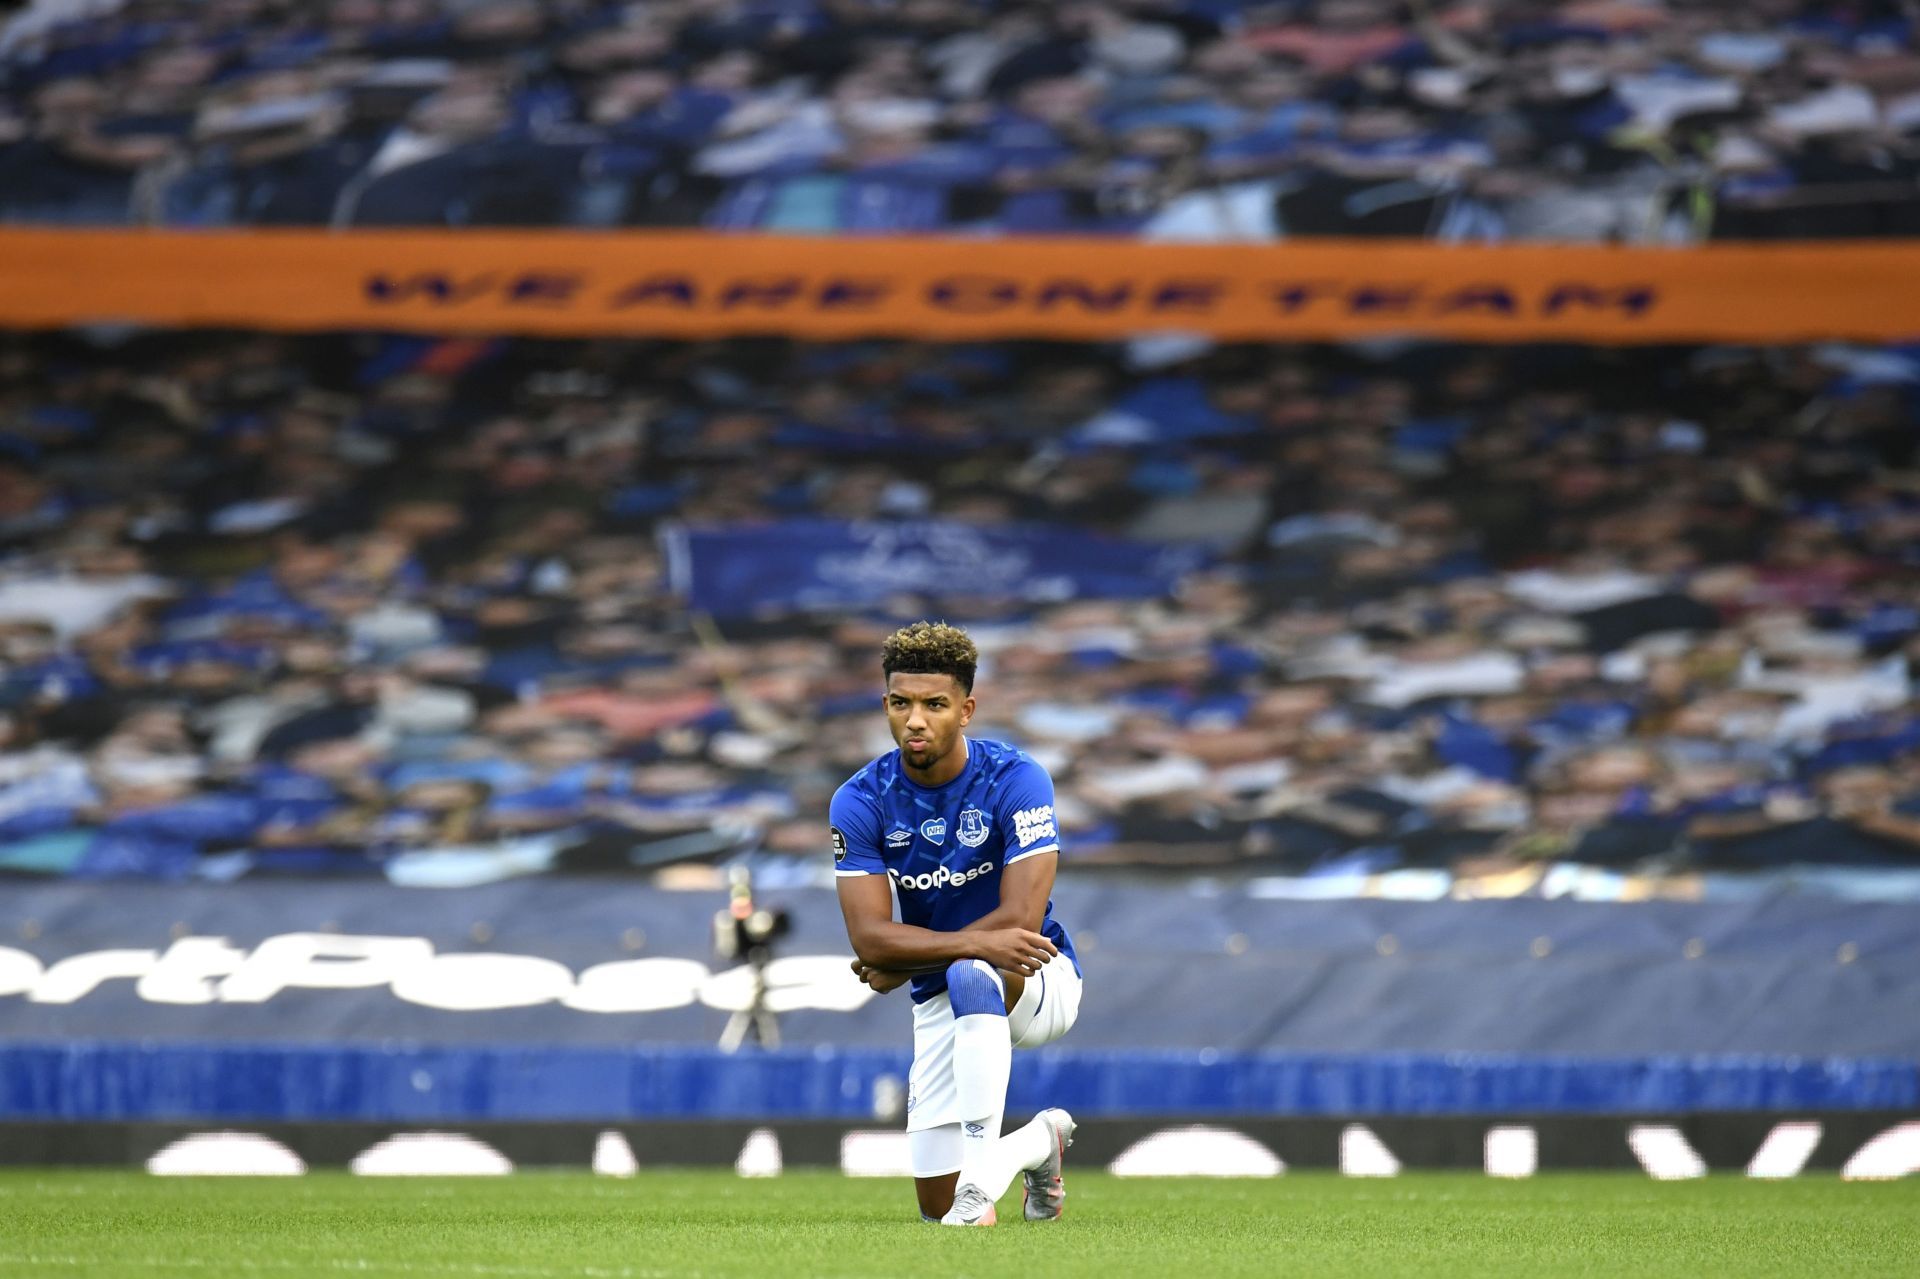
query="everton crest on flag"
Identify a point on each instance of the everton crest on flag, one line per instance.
(737, 571)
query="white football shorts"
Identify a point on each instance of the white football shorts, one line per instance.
(1046, 1010)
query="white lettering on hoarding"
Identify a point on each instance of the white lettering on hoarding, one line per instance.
(78, 976)
(185, 973)
(1894, 1153)
(1190, 1150)
(322, 961)
(205, 970)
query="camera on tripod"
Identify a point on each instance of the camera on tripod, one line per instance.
(743, 928)
(746, 931)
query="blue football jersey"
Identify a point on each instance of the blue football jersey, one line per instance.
(944, 847)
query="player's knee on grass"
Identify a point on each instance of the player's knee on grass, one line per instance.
(973, 987)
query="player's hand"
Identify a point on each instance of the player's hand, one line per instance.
(1014, 950)
(879, 979)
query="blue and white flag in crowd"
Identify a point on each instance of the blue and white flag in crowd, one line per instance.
(737, 570)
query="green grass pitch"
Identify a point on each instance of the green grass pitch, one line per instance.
(127, 1225)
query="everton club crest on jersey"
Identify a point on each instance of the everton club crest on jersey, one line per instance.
(973, 830)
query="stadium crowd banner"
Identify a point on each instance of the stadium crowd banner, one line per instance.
(738, 570)
(698, 284)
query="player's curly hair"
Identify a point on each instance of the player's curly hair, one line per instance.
(931, 648)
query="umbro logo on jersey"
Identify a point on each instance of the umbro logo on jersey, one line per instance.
(935, 829)
(899, 838)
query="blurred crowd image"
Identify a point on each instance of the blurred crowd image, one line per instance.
(1452, 619)
(1464, 121)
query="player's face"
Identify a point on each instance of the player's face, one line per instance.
(926, 714)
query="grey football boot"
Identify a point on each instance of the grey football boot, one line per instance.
(971, 1207)
(1046, 1193)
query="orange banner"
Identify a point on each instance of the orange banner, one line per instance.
(692, 284)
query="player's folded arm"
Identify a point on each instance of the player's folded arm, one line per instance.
(880, 941)
(1025, 887)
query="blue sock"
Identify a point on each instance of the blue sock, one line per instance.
(973, 987)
